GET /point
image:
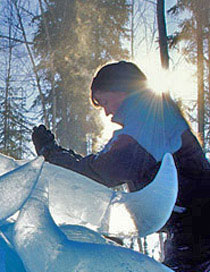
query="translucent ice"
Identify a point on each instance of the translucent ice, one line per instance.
(75, 199)
(151, 207)
(43, 247)
(79, 200)
(7, 164)
(9, 259)
(16, 186)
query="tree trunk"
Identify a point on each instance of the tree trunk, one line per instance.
(200, 75)
(7, 87)
(145, 246)
(33, 64)
(132, 30)
(161, 240)
(52, 79)
(209, 70)
(162, 34)
(164, 56)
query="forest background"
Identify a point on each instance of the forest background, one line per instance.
(50, 50)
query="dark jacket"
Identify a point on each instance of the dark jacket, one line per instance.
(133, 156)
(128, 162)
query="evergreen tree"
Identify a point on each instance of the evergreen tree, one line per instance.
(73, 39)
(195, 30)
(14, 131)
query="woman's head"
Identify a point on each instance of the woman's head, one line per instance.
(117, 77)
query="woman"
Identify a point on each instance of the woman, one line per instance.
(152, 125)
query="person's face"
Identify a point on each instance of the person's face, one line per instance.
(110, 101)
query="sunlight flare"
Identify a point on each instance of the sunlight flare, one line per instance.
(121, 218)
(179, 81)
(160, 81)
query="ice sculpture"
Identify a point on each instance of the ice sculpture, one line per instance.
(109, 212)
(17, 185)
(43, 246)
(76, 199)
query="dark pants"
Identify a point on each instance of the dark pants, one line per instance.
(187, 248)
(185, 252)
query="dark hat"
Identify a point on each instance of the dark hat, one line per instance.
(120, 76)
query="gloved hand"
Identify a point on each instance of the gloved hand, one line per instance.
(43, 140)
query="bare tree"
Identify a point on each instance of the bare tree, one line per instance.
(7, 87)
(209, 63)
(164, 56)
(13, 128)
(30, 53)
(144, 26)
(200, 80)
(52, 74)
(163, 44)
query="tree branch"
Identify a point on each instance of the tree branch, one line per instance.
(15, 39)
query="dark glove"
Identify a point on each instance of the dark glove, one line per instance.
(43, 140)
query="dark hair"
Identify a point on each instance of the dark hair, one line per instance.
(120, 76)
